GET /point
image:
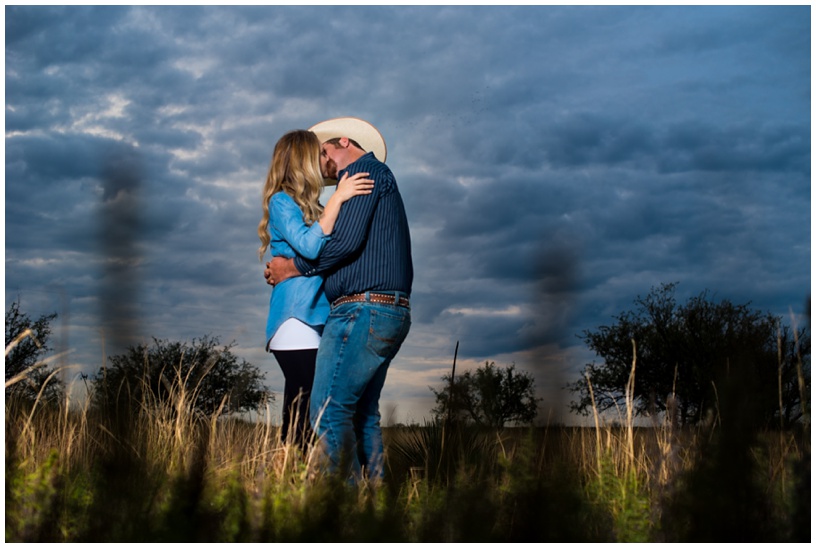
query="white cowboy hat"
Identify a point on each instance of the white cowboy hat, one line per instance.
(366, 135)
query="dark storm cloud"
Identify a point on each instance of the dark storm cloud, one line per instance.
(555, 162)
(49, 193)
(51, 159)
(59, 34)
(702, 147)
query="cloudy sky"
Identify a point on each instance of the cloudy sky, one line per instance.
(556, 163)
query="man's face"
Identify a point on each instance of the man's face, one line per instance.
(328, 162)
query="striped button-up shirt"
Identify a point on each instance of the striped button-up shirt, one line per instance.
(370, 247)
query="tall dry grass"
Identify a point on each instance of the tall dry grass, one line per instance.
(160, 471)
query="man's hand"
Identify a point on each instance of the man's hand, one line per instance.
(280, 269)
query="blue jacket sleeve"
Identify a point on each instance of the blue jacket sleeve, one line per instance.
(287, 218)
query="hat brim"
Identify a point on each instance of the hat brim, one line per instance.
(365, 134)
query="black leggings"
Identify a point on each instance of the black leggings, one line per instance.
(298, 368)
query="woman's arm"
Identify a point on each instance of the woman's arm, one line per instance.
(286, 218)
(347, 188)
(308, 240)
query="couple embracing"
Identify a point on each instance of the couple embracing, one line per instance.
(341, 277)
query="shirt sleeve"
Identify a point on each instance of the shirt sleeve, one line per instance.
(287, 218)
(350, 230)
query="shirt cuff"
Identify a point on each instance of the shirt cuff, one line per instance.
(317, 231)
(305, 268)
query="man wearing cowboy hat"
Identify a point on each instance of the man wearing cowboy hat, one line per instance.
(368, 275)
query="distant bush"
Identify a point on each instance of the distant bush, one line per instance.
(203, 376)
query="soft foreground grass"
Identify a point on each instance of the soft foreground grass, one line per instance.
(160, 472)
(161, 475)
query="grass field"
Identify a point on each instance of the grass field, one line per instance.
(163, 473)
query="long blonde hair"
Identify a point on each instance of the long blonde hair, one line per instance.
(295, 169)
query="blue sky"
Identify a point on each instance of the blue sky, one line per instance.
(556, 163)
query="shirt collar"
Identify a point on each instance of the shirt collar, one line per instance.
(366, 156)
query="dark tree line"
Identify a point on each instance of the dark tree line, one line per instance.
(208, 375)
(686, 352)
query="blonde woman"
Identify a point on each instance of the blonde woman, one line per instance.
(294, 223)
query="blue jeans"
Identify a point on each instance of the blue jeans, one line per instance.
(359, 341)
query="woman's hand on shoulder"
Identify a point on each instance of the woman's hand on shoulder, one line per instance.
(354, 185)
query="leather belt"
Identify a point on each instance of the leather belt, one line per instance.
(379, 298)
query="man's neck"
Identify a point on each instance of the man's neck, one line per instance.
(353, 154)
